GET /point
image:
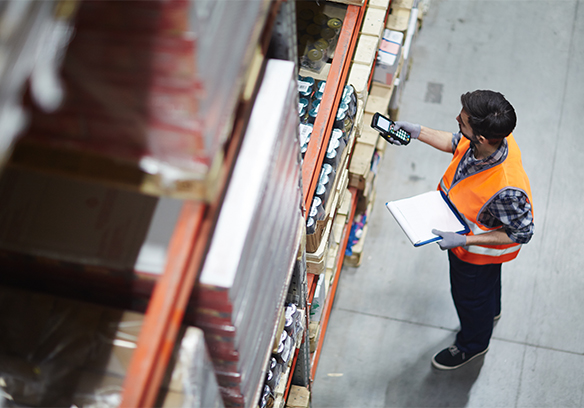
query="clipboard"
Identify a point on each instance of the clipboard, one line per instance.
(419, 215)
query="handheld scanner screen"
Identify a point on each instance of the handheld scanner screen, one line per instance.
(383, 123)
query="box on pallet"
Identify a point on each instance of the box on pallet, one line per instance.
(388, 57)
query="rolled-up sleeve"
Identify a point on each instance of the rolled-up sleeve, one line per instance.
(511, 209)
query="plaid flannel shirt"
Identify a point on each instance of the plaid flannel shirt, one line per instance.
(510, 208)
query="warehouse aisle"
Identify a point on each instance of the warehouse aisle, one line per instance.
(394, 312)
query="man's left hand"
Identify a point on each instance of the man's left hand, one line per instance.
(450, 239)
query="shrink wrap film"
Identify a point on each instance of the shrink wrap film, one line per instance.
(33, 37)
(60, 352)
(155, 88)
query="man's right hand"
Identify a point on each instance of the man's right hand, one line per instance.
(413, 129)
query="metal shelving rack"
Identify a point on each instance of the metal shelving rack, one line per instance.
(172, 291)
(168, 296)
(315, 153)
(186, 254)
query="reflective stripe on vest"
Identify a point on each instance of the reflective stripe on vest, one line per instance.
(480, 250)
(470, 194)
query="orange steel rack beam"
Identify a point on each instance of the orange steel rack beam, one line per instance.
(164, 314)
(333, 91)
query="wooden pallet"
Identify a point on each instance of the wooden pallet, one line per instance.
(368, 141)
(299, 397)
(350, 2)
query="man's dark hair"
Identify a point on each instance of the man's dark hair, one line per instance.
(490, 114)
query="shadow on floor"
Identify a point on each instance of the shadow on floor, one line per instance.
(421, 385)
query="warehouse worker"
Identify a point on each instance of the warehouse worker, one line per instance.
(486, 182)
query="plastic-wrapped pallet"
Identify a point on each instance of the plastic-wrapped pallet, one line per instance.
(227, 32)
(192, 381)
(32, 39)
(151, 85)
(60, 352)
(243, 282)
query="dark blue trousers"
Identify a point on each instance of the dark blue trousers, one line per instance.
(476, 291)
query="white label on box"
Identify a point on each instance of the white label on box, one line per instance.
(386, 58)
(393, 36)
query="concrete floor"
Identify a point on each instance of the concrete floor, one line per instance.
(394, 312)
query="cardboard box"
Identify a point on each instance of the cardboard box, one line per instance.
(388, 57)
(71, 220)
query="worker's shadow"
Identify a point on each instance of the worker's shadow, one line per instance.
(421, 385)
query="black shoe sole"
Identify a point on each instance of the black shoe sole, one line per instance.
(443, 367)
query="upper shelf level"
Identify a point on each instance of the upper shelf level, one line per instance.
(335, 83)
(149, 93)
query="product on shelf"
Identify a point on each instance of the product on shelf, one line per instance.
(267, 398)
(317, 209)
(335, 151)
(317, 36)
(304, 132)
(280, 361)
(318, 300)
(356, 232)
(249, 263)
(191, 380)
(388, 57)
(306, 86)
(132, 85)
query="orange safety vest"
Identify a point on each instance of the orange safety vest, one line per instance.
(471, 194)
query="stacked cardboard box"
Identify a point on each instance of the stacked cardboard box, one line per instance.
(404, 19)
